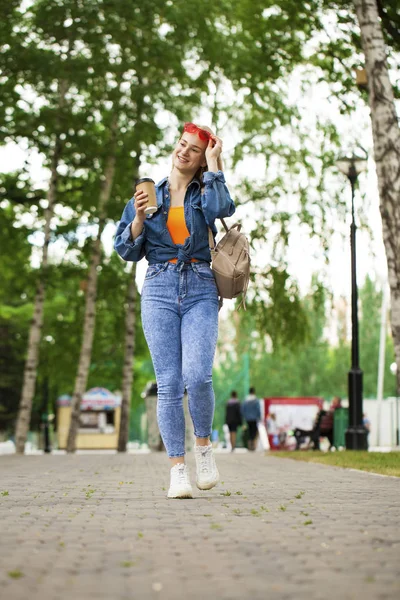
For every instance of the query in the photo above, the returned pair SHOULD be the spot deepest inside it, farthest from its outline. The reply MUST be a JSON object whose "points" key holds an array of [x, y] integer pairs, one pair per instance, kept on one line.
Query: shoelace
{"points": [[182, 477], [204, 462]]}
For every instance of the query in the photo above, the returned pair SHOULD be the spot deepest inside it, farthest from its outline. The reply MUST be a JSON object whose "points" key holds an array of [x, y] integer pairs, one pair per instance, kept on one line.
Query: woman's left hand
{"points": [[213, 149]]}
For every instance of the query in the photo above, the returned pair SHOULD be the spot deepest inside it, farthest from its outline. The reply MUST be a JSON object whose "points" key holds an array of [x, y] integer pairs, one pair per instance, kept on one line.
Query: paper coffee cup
{"points": [[147, 185]]}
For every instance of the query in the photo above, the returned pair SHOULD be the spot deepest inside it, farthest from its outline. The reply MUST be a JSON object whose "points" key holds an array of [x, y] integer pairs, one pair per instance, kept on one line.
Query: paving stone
{"points": [[100, 526]]}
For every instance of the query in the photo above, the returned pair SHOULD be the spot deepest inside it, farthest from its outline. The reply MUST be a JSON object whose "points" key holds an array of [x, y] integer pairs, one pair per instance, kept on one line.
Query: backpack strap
{"points": [[211, 242], [243, 301], [224, 224]]}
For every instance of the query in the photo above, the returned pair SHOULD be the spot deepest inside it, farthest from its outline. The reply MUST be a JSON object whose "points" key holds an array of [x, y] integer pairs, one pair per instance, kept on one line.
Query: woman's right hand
{"points": [[140, 204]]}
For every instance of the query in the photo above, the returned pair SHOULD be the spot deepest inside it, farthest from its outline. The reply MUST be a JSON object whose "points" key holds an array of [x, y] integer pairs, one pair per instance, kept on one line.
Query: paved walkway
{"points": [[100, 527]]}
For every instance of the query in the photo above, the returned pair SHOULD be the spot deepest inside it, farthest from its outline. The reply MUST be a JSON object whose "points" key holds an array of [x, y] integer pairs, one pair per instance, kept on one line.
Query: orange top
{"points": [[176, 226]]}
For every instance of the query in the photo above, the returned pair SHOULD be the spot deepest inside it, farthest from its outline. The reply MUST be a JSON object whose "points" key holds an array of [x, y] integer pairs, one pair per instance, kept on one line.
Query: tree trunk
{"points": [[386, 136], [35, 331], [130, 323], [91, 295], [127, 377]]}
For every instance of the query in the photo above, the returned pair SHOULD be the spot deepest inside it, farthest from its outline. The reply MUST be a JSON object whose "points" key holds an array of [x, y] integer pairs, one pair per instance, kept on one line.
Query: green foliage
{"points": [[16, 273], [315, 366], [371, 300], [63, 318], [16, 293], [280, 314]]}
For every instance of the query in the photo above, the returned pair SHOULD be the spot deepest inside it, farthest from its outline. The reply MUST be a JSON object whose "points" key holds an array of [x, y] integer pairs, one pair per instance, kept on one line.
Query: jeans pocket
{"points": [[154, 270], [203, 271]]}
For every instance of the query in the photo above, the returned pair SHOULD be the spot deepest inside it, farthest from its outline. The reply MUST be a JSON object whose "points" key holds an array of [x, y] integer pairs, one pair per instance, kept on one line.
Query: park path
{"points": [[100, 527]]}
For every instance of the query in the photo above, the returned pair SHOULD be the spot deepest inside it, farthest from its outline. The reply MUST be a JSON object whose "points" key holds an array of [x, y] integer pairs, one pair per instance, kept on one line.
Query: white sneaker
{"points": [[207, 472], [180, 484]]}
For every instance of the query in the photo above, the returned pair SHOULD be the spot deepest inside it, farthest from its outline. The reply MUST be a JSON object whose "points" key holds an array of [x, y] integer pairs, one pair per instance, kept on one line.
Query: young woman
{"points": [[179, 297]]}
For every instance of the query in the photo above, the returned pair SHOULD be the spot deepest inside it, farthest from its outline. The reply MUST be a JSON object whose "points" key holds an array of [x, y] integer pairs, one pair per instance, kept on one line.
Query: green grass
{"points": [[384, 463], [17, 574], [128, 563]]}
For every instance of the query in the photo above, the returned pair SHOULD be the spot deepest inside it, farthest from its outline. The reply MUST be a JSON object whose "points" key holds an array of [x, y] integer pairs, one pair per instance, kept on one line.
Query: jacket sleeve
{"points": [[216, 201], [129, 249]]}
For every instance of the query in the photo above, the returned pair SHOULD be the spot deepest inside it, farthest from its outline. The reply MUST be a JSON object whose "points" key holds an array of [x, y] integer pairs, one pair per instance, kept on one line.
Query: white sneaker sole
{"points": [[207, 485], [180, 494]]}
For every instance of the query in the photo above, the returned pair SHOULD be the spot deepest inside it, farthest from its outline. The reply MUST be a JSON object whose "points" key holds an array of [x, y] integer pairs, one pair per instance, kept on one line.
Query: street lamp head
{"points": [[352, 166]]}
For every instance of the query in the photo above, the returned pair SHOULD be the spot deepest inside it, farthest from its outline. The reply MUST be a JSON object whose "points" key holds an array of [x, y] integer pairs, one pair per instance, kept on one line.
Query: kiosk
{"points": [[99, 420]]}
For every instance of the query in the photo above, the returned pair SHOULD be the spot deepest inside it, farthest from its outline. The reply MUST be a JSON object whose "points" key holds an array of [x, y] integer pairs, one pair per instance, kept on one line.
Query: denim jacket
{"points": [[200, 210]]}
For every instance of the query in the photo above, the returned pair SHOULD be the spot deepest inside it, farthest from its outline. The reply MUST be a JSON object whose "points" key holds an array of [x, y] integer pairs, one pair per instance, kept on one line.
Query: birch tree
{"points": [[386, 136], [91, 290], [38, 73], [130, 330], [30, 370], [37, 66], [129, 352]]}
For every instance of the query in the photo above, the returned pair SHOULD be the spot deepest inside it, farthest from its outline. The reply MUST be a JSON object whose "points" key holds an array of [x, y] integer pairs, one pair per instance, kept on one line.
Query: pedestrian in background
{"points": [[251, 413], [273, 429], [336, 403], [233, 417], [367, 425]]}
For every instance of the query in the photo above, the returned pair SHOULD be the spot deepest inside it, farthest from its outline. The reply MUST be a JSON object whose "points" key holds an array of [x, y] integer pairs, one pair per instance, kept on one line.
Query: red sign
{"points": [[282, 415]]}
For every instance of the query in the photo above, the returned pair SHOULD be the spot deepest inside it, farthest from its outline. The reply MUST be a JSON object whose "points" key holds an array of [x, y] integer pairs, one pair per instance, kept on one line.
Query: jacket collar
{"points": [[164, 181], [160, 191]]}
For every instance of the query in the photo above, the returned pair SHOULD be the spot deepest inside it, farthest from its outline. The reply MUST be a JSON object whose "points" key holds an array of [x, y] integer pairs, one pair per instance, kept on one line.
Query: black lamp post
{"points": [[356, 434]]}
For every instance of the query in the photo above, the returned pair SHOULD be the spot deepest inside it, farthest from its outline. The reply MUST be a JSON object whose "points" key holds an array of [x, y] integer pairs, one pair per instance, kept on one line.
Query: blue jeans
{"points": [[180, 322]]}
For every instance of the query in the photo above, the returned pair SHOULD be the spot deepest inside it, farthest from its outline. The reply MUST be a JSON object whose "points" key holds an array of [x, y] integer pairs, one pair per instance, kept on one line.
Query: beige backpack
{"points": [[231, 262]]}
